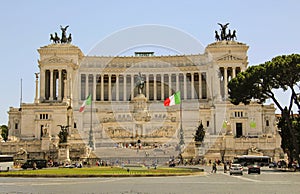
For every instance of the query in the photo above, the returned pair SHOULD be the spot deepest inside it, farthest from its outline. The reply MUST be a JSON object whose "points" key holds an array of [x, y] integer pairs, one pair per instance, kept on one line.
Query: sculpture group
{"points": [[64, 39], [63, 134], [140, 83], [224, 35]]}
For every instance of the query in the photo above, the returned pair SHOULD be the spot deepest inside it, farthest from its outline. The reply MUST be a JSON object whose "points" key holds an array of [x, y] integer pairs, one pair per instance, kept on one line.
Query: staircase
{"points": [[211, 147], [133, 155]]}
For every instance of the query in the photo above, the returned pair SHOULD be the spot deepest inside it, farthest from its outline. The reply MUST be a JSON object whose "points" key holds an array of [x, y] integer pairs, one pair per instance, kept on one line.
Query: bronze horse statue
{"points": [[233, 35], [54, 38], [69, 40], [63, 39], [217, 37], [230, 36]]}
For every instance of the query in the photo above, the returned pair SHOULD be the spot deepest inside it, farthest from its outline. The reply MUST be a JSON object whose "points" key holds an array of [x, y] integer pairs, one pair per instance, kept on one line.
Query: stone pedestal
{"points": [[140, 108], [140, 114], [1, 138], [278, 154], [199, 151], [229, 147], [189, 150], [45, 145], [63, 152]]}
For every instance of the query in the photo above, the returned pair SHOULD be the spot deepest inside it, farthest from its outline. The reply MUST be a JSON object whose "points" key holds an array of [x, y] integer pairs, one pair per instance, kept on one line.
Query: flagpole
{"points": [[180, 115], [181, 137], [91, 138], [21, 94]]}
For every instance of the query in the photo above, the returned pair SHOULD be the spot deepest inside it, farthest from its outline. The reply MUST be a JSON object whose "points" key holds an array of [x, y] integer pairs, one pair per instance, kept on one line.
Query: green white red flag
{"points": [[173, 100], [88, 101]]}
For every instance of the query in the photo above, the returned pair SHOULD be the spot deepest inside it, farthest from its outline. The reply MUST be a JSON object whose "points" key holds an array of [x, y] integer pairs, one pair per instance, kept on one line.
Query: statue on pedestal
{"points": [[1, 138], [140, 83], [224, 35], [254, 151], [63, 134], [228, 128], [64, 39], [223, 30], [45, 130]]}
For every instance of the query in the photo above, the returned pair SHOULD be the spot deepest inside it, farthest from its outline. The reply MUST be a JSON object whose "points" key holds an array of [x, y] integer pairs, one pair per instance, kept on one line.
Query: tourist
{"points": [[34, 166], [214, 168], [225, 167]]}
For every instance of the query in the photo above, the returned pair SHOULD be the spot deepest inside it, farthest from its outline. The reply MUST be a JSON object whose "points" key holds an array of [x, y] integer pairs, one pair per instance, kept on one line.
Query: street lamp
{"points": [[91, 139], [181, 139]]}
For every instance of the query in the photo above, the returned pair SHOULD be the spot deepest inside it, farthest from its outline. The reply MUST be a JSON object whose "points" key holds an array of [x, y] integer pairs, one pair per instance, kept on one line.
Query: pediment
{"points": [[229, 57], [56, 59]]}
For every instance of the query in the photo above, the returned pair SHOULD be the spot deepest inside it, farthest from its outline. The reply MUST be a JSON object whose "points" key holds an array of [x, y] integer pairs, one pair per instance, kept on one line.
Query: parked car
{"points": [[254, 169], [70, 166], [35, 163], [236, 169], [273, 165]]}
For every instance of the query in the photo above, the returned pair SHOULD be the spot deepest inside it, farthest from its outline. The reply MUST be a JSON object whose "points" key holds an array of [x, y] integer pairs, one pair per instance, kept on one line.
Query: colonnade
{"points": [[53, 84], [226, 74], [122, 87]]}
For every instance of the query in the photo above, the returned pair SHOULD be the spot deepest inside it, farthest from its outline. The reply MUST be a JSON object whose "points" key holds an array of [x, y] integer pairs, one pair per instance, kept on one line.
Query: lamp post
{"points": [[91, 136], [91, 139], [181, 135]]}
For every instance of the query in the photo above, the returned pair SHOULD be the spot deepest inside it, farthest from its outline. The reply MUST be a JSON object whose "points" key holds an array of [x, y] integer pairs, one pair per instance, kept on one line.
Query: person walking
{"points": [[214, 167], [225, 167]]}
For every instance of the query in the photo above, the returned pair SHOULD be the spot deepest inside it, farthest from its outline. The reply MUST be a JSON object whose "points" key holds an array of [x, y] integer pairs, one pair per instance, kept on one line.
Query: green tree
{"points": [[260, 83], [4, 132], [200, 133], [285, 133]]}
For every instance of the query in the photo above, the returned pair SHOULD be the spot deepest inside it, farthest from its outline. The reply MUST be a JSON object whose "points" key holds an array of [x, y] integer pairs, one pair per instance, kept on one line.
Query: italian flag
{"points": [[88, 101], [172, 100]]}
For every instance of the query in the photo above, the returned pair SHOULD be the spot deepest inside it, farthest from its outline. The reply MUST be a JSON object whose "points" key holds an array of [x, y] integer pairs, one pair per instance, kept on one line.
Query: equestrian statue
{"points": [[224, 35], [64, 39]]}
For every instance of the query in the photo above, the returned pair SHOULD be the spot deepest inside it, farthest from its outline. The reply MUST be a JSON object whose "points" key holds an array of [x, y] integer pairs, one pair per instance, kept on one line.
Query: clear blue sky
{"points": [[270, 28]]}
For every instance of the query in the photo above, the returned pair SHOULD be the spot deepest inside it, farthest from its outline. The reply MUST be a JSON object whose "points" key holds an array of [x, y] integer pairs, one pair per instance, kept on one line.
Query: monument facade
{"points": [[127, 109]]}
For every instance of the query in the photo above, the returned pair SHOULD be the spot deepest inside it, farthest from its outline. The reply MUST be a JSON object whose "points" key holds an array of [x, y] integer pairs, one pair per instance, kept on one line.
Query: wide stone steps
{"points": [[146, 161], [114, 155]]}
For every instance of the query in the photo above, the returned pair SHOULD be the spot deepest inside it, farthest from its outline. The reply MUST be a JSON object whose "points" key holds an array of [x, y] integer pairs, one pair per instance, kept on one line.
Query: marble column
{"points": [[51, 84], [132, 86], [225, 82], [233, 72], [162, 93], [200, 85], [124, 88], [65, 90], [117, 88], [86, 86], [79, 88], [177, 82], [42, 85], [154, 89], [94, 86], [109, 87], [69, 84], [102, 88], [36, 99], [147, 86], [192, 86], [170, 84], [214, 83], [184, 86], [59, 87]]}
